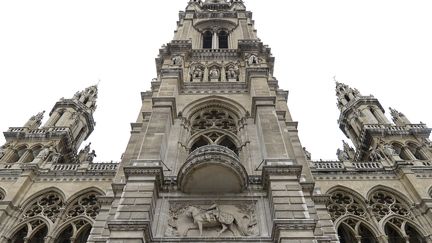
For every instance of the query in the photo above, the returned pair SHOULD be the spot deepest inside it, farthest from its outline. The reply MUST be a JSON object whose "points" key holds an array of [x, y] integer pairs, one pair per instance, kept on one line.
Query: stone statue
{"points": [[44, 153], [55, 158], [214, 217], [177, 61], [232, 72], [253, 60], [197, 73], [307, 154], [84, 153], [375, 155], [342, 155], [214, 73], [91, 156]]}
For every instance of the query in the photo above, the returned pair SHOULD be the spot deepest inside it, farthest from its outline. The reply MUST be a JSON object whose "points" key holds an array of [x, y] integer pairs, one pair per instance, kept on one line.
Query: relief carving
{"points": [[212, 221]]}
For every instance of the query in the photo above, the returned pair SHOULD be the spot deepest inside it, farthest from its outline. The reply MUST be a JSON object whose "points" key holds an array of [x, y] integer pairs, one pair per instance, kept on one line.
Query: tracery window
{"points": [[47, 205], [351, 228], [214, 126], [213, 118], [384, 203], [85, 206], [78, 218]]}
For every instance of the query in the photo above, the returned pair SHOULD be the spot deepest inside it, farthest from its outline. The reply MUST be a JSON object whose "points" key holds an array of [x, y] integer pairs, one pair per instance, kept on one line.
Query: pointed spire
{"points": [[35, 121], [345, 94], [398, 117], [87, 97]]}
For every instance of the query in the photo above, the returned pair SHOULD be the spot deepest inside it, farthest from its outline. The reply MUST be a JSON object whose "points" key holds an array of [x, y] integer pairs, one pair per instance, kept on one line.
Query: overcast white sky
{"points": [[51, 48]]}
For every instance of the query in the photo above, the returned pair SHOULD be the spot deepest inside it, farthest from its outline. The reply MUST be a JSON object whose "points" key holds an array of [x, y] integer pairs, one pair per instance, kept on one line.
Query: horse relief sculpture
{"points": [[212, 221]]}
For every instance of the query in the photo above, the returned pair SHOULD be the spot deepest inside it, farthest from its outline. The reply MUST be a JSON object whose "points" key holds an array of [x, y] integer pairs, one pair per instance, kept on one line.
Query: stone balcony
{"points": [[212, 169]]}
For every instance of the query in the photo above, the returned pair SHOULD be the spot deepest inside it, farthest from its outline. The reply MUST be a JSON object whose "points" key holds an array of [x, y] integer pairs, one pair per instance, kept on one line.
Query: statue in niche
{"points": [[375, 155], [232, 73], [44, 153], [253, 60], [239, 220], [177, 61], [197, 73], [214, 73]]}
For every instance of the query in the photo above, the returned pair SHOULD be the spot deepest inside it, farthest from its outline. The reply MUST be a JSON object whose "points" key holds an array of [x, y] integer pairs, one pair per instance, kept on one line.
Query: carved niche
{"points": [[212, 220]]}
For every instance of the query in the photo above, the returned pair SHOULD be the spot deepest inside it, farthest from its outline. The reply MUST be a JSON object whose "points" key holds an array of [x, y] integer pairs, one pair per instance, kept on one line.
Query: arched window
{"points": [[351, 228], [38, 232], [207, 40], [416, 151], [77, 232], [223, 40]]}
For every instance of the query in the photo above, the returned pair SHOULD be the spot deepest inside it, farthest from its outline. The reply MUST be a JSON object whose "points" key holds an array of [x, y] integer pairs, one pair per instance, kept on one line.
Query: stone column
{"points": [[223, 74], [25, 156], [215, 43], [55, 116], [63, 119]]}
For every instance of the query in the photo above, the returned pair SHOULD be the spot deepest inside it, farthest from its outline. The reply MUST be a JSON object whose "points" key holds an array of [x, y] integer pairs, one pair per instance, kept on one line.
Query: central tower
{"points": [[214, 154]]}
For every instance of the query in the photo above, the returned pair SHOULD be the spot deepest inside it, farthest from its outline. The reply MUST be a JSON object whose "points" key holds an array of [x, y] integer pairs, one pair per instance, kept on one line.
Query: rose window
{"points": [[85, 205], [48, 205], [384, 203], [342, 203]]}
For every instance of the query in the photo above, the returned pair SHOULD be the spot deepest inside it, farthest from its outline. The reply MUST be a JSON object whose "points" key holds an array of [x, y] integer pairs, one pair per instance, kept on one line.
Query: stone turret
{"points": [[357, 111], [70, 122]]}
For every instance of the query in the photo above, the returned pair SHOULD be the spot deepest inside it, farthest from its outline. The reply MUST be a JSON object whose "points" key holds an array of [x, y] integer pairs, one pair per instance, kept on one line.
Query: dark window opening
{"points": [[65, 235], [83, 235], [345, 235], [201, 142], [39, 236], [223, 40], [226, 142], [393, 235], [19, 236], [207, 40]]}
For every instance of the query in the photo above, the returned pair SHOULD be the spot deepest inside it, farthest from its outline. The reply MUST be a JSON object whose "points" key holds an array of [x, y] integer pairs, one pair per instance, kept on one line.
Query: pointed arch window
{"points": [[207, 40], [223, 39]]}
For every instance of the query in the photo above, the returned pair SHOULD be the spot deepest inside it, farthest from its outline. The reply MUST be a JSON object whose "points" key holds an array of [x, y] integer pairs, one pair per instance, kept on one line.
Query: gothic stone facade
{"points": [[215, 156]]}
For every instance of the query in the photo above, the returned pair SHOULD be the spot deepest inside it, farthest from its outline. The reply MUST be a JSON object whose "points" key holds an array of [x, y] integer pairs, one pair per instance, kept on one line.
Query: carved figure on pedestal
{"points": [[375, 155], [232, 73], [177, 61], [214, 73], [91, 156], [44, 153], [197, 74], [253, 60], [342, 155], [84, 153]]}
